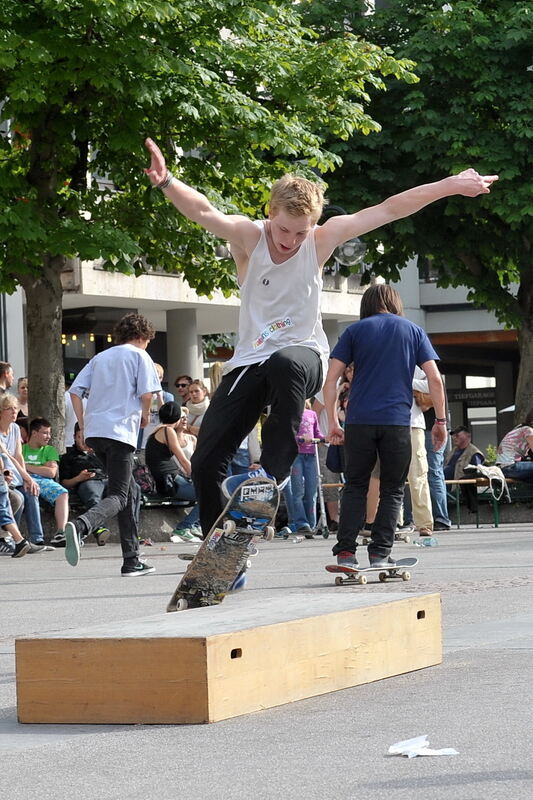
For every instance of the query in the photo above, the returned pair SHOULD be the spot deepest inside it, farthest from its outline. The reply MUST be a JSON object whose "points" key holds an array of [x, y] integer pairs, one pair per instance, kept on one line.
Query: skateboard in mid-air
{"points": [[224, 553], [358, 574]]}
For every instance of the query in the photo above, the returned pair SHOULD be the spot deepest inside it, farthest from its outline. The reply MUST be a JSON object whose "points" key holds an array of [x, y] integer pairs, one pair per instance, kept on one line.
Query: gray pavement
{"points": [[479, 701]]}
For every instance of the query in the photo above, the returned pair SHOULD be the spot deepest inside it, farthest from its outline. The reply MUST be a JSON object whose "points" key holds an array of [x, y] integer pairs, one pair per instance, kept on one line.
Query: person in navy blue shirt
{"points": [[384, 348]]}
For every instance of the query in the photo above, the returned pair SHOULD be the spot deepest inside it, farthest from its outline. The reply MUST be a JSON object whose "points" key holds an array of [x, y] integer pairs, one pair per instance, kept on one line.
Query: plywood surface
{"points": [[235, 614]]}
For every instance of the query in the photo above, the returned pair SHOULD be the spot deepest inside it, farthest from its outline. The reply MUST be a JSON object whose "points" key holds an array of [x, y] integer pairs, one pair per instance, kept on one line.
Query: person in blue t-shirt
{"points": [[120, 382], [384, 348]]}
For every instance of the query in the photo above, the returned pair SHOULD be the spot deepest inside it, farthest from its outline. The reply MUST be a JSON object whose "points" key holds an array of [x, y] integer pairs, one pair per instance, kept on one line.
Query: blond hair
{"points": [[298, 197], [8, 401]]}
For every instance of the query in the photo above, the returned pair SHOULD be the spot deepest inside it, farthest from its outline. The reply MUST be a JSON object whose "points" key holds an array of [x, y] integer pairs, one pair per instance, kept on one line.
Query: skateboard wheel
{"points": [[407, 539], [362, 580], [325, 534], [229, 526], [383, 577], [339, 580], [182, 604], [269, 533], [406, 576]]}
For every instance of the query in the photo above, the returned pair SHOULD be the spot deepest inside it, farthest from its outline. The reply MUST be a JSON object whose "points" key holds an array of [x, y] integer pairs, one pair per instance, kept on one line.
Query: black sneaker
{"points": [[7, 548], [101, 535], [58, 540], [380, 561], [441, 526], [138, 568], [21, 549]]}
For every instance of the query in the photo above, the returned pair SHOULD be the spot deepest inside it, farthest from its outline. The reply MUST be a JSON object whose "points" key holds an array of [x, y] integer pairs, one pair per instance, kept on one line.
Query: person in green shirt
{"points": [[42, 462]]}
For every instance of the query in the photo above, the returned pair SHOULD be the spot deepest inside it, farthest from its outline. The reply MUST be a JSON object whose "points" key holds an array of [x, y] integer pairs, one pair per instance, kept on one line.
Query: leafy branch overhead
{"points": [[235, 93], [471, 108]]}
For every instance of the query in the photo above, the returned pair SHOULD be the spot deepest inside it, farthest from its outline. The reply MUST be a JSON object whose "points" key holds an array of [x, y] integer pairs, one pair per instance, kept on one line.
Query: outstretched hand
{"points": [[472, 183], [158, 169]]}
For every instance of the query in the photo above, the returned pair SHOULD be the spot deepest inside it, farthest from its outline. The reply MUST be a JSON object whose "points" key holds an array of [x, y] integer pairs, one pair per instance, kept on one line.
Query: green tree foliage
{"points": [[241, 87], [234, 91], [472, 107]]}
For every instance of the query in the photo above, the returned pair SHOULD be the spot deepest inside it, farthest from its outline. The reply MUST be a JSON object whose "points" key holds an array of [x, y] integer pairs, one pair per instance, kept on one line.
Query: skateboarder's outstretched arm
{"points": [[337, 230], [238, 230]]}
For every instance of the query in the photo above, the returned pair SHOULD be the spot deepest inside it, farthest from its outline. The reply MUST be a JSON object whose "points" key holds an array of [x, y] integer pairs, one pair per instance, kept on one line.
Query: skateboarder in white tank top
{"points": [[280, 359]]}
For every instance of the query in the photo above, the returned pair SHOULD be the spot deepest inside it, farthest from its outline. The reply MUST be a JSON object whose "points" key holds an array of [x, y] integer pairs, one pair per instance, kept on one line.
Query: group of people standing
{"points": [[281, 360]]}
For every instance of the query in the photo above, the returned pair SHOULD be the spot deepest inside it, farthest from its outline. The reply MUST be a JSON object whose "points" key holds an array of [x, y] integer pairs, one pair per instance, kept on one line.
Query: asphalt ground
{"points": [[479, 701]]}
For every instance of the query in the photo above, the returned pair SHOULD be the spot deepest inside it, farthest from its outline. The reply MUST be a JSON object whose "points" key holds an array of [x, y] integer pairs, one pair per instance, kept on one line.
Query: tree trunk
{"points": [[524, 386], [44, 314]]}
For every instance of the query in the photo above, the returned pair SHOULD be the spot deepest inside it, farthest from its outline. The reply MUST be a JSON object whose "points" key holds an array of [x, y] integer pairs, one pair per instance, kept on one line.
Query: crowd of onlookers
{"points": [[33, 472]]}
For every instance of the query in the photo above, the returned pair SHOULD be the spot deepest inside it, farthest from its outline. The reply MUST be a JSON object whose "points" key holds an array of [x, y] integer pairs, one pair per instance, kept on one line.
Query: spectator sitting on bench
{"points": [[515, 449], [42, 463], [84, 475], [464, 454], [168, 457]]}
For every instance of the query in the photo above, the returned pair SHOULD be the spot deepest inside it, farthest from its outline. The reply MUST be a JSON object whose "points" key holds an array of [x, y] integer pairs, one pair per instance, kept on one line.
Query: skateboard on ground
{"points": [[399, 536], [224, 553], [358, 574]]}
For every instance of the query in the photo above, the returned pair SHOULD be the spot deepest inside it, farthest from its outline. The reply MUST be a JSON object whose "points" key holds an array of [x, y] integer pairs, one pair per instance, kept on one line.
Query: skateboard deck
{"points": [[224, 553], [358, 574]]}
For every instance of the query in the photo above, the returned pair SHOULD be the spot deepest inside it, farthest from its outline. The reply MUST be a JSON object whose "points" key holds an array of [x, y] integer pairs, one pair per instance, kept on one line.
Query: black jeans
{"points": [[362, 443], [283, 382], [123, 495]]}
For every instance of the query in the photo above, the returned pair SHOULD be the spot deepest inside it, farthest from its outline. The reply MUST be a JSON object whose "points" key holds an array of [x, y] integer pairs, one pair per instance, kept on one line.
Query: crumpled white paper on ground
{"points": [[419, 746]]}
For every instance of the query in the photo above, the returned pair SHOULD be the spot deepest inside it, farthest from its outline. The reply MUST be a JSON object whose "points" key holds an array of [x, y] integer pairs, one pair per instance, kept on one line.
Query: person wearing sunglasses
{"points": [[182, 384]]}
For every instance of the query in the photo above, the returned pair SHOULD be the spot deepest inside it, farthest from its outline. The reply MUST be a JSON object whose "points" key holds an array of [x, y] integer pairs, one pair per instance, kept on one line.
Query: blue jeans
{"points": [[32, 515], [519, 471], [184, 490], [91, 492], [304, 482], [362, 445], [240, 463], [437, 487], [293, 520]]}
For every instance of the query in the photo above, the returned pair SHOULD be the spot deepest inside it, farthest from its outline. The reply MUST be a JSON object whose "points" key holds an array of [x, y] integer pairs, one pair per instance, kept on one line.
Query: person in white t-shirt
{"points": [[282, 352], [119, 382]]}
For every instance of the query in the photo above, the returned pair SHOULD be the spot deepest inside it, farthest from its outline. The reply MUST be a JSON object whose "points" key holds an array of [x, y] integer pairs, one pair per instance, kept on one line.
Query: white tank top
{"points": [[280, 305]]}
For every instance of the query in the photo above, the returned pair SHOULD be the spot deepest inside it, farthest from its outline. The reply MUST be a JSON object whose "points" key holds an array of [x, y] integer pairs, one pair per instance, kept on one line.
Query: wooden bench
{"points": [[518, 490]]}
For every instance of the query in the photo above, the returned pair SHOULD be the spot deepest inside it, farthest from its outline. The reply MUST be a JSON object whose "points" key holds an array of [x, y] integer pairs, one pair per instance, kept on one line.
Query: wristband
{"points": [[440, 421], [167, 180]]}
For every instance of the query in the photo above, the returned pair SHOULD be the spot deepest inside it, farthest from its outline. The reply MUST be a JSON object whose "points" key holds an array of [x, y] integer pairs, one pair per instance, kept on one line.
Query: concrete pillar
{"points": [[331, 329], [505, 396], [14, 346], [184, 355], [457, 409]]}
